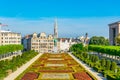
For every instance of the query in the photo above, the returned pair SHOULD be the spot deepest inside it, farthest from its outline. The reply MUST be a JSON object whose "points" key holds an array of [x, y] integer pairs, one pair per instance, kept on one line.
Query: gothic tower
{"points": [[55, 29]]}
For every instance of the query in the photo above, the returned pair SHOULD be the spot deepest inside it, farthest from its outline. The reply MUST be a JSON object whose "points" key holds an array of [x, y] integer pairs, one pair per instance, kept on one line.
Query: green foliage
{"points": [[93, 58], [108, 64], [98, 41], [84, 54], [10, 48], [111, 77], [113, 66], [77, 48], [117, 39], [111, 50], [15, 62], [108, 69], [103, 66], [90, 57], [98, 69], [103, 62], [96, 59]]}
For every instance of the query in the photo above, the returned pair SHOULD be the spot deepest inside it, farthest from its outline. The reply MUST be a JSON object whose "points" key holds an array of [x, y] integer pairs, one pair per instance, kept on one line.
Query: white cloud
{"points": [[67, 27]]}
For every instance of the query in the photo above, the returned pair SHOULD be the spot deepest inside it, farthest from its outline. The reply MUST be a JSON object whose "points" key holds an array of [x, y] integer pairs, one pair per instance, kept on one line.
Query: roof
{"points": [[118, 22], [3, 31]]}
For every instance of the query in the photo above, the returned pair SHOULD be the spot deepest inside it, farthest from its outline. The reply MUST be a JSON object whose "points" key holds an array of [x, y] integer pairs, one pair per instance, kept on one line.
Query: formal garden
{"points": [[59, 66], [52, 66], [108, 67], [8, 66]]}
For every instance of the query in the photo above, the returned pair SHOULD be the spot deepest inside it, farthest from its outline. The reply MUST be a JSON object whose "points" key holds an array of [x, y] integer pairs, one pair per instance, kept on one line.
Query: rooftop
{"points": [[118, 22]]}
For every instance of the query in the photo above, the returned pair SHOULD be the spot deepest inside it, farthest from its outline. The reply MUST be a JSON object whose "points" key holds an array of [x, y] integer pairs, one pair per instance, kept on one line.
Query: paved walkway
{"points": [[96, 74], [22, 68]]}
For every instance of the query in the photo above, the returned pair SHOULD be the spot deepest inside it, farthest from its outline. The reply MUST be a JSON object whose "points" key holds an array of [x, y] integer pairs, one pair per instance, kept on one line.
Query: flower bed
{"points": [[55, 59], [82, 76], [37, 65], [70, 65], [55, 76], [62, 61], [30, 76], [56, 67]]}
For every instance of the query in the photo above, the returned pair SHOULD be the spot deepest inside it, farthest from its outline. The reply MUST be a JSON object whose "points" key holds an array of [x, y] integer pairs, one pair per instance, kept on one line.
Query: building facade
{"points": [[66, 43], [8, 37], [40, 43], [55, 29], [114, 30]]}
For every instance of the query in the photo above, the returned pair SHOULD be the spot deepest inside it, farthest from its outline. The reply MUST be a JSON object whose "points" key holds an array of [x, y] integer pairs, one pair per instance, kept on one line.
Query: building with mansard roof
{"points": [[40, 42]]}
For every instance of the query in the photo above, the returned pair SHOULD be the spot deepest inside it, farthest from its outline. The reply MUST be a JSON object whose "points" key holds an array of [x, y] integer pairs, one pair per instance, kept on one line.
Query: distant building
{"points": [[8, 37], [55, 29], [114, 30], [25, 41], [52, 43], [86, 39], [55, 37], [40, 42], [82, 39], [66, 43]]}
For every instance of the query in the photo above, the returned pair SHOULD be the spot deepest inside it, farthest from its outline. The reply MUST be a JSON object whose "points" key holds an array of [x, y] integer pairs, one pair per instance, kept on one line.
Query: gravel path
{"points": [[13, 75], [96, 74]]}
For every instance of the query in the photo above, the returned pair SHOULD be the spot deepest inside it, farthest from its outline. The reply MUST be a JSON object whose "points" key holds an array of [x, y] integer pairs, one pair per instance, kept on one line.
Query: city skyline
{"points": [[75, 18]]}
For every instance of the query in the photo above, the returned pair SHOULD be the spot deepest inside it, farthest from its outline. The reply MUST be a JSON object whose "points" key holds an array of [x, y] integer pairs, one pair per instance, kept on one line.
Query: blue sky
{"points": [[75, 17]]}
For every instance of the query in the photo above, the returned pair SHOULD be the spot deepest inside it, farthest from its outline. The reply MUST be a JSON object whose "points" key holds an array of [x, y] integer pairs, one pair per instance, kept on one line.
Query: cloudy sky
{"points": [[75, 17]]}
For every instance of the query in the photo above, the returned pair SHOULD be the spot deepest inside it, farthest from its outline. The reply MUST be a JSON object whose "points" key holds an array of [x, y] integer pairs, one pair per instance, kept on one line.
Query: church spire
{"points": [[55, 29]]}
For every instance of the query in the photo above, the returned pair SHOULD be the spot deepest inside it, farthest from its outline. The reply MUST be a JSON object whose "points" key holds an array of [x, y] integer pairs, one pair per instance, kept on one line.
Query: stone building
{"points": [[114, 30], [8, 37], [41, 43], [66, 43]]}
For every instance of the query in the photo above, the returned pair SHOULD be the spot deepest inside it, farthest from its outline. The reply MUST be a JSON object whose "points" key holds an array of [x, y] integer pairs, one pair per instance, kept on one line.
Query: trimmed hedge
{"points": [[111, 50], [10, 48]]}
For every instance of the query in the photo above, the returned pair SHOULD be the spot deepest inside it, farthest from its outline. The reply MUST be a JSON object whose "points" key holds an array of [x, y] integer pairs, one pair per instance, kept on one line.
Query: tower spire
{"points": [[55, 29]]}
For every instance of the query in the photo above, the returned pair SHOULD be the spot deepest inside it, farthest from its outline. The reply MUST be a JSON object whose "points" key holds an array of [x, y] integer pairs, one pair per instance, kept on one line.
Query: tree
{"points": [[113, 66], [99, 40], [103, 62], [96, 59], [76, 47], [85, 55], [117, 39], [108, 64]]}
